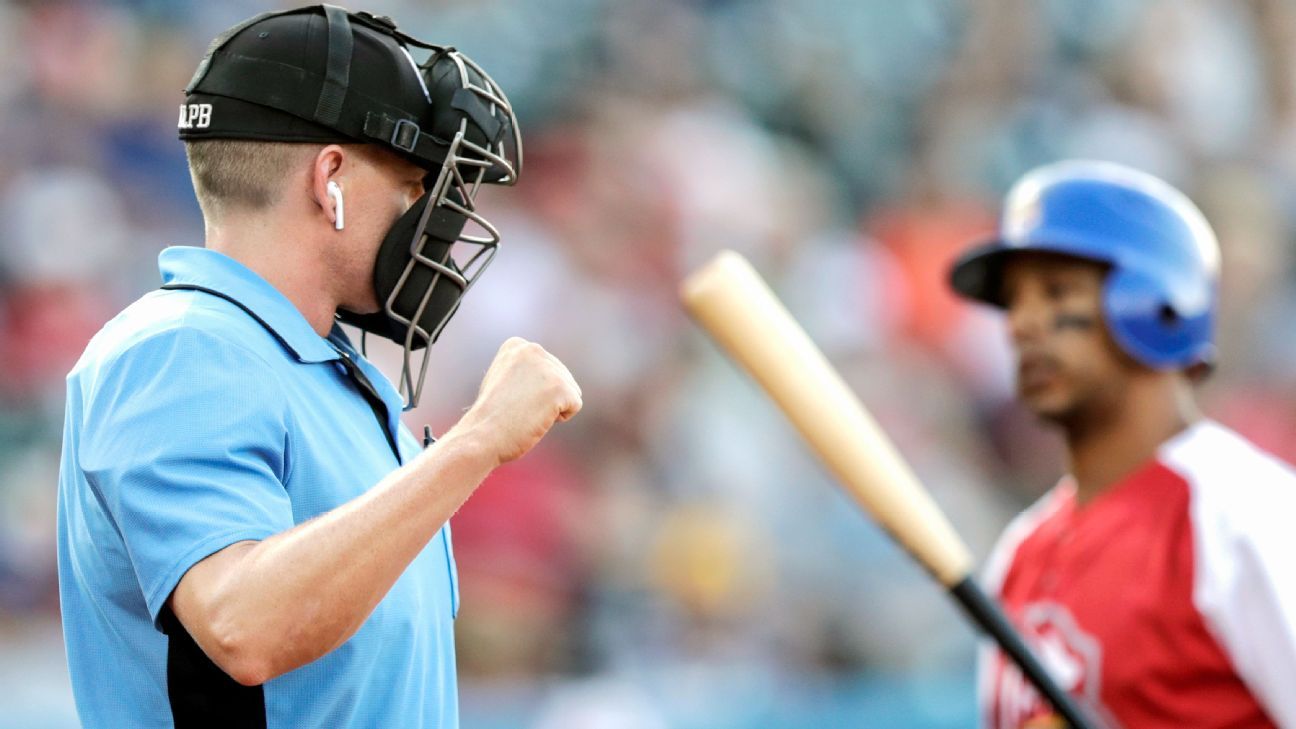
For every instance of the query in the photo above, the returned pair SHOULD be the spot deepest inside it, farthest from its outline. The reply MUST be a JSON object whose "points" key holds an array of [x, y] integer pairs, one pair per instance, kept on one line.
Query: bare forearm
{"points": [[298, 595]]}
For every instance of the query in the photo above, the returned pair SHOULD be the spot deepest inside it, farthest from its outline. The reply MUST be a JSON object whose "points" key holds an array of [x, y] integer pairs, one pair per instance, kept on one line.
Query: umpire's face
{"points": [[1069, 370], [378, 187]]}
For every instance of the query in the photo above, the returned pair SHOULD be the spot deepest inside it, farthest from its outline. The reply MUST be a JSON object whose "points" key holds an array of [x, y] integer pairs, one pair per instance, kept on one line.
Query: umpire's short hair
{"points": [[231, 175]]}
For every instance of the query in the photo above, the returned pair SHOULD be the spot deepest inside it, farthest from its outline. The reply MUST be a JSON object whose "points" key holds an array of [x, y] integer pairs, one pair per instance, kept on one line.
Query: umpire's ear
{"points": [[327, 168]]}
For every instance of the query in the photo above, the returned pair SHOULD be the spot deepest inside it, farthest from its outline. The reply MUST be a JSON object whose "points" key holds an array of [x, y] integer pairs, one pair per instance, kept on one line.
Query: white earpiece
{"points": [[335, 192]]}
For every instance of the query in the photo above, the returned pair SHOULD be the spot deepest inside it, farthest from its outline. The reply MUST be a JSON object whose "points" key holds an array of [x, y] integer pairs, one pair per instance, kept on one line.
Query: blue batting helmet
{"points": [[1161, 292]]}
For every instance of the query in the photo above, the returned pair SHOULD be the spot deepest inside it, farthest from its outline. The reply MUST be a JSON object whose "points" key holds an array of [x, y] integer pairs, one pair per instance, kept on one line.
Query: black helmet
{"points": [[323, 74]]}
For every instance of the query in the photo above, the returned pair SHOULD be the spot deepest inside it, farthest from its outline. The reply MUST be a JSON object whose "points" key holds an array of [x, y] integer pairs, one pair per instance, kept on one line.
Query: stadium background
{"points": [[672, 558]]}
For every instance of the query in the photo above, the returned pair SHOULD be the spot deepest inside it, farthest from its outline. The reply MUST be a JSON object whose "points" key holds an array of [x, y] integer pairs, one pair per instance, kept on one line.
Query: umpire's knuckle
{"points": [[559, 386]]}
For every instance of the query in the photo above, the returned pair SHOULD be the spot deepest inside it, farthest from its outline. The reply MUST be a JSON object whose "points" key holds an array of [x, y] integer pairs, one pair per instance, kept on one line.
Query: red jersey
{"points": [[1169, 600]]}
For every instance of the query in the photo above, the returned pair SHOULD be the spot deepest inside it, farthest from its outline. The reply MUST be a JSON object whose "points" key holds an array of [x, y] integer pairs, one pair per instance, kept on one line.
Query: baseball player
{"points": [[1154, 581], [247, 535]]}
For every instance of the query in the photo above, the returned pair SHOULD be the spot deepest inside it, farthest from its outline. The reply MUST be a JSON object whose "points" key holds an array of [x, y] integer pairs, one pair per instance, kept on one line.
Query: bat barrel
{"points": [[740, 312], [987, 615], [729, 299]]}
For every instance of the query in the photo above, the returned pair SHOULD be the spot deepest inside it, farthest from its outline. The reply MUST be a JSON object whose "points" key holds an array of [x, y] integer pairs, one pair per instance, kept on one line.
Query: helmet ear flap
{"points": [[1150, 325]]}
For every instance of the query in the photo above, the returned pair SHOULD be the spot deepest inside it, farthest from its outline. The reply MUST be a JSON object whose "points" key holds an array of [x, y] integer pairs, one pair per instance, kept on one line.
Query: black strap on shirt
{"points": [[362, 382], [371, 396]]}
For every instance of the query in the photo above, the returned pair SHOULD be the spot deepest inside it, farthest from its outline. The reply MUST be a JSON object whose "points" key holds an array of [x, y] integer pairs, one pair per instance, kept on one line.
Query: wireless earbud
{"points": [[335, 192]]}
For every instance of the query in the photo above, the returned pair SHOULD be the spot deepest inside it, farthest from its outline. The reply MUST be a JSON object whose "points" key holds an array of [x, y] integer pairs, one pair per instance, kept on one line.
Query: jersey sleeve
{"points": [[1244, 585], [185, 446]]}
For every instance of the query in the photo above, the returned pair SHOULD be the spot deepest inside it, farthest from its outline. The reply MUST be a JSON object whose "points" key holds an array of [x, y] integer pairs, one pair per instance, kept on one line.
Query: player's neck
{"points": [[277, 254], [1105, 451]]}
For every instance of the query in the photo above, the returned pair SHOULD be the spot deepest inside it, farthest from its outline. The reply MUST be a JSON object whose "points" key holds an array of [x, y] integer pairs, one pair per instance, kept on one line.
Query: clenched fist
{"points": [[525, 391]]}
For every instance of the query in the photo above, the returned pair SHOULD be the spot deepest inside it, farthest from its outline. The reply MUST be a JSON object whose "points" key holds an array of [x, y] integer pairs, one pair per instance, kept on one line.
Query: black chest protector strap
{"points": [[362, 383], [371, 396]]}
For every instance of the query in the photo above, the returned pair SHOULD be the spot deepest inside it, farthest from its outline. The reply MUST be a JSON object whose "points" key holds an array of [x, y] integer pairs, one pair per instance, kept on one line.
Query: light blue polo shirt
{"points": [[193, 423]]}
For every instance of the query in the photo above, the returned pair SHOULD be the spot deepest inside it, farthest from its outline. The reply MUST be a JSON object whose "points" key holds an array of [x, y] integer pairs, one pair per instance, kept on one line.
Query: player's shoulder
{"points": [[1022, 528], [1227, 473]]}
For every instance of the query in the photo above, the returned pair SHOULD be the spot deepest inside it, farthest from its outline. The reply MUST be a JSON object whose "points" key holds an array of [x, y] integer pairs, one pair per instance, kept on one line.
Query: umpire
{"points": [[248, 537]]}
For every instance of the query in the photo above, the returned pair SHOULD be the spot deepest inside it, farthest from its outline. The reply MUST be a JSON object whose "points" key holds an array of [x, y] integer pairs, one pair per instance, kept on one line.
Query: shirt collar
{"points": [[218, 272]]}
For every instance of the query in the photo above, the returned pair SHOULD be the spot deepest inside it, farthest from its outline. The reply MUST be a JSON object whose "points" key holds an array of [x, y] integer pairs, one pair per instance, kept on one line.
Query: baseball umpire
{"points": [[1154, 580], [248, 536]]}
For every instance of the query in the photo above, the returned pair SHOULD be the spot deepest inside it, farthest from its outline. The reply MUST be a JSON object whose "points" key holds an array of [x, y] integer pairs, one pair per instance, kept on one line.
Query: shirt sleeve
{"points": [[1244, 585], [185, 444]]}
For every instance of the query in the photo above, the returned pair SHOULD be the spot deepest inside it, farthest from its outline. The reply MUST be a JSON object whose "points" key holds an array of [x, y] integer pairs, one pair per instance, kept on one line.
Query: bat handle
{"points": [[991, 619]]}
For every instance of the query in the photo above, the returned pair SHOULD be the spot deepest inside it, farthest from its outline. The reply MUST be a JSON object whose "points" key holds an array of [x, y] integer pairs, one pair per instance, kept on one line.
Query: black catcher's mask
{"points": [[322, 74]]}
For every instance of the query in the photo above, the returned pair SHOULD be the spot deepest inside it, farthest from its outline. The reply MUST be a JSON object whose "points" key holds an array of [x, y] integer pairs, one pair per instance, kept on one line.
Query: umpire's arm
{"points": [[261, 608]]}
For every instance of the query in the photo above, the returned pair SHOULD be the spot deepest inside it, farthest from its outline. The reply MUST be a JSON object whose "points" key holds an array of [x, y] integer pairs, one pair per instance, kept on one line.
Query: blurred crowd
{"points": [[673, 557]]}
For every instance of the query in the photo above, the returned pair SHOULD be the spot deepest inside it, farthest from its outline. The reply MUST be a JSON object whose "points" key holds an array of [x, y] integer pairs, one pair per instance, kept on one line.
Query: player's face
{"points": [[1068, 367], [381, 187]]}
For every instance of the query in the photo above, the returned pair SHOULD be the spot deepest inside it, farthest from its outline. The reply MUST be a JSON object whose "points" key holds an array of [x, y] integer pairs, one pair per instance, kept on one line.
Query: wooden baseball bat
{"points": [[728, 298]]}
